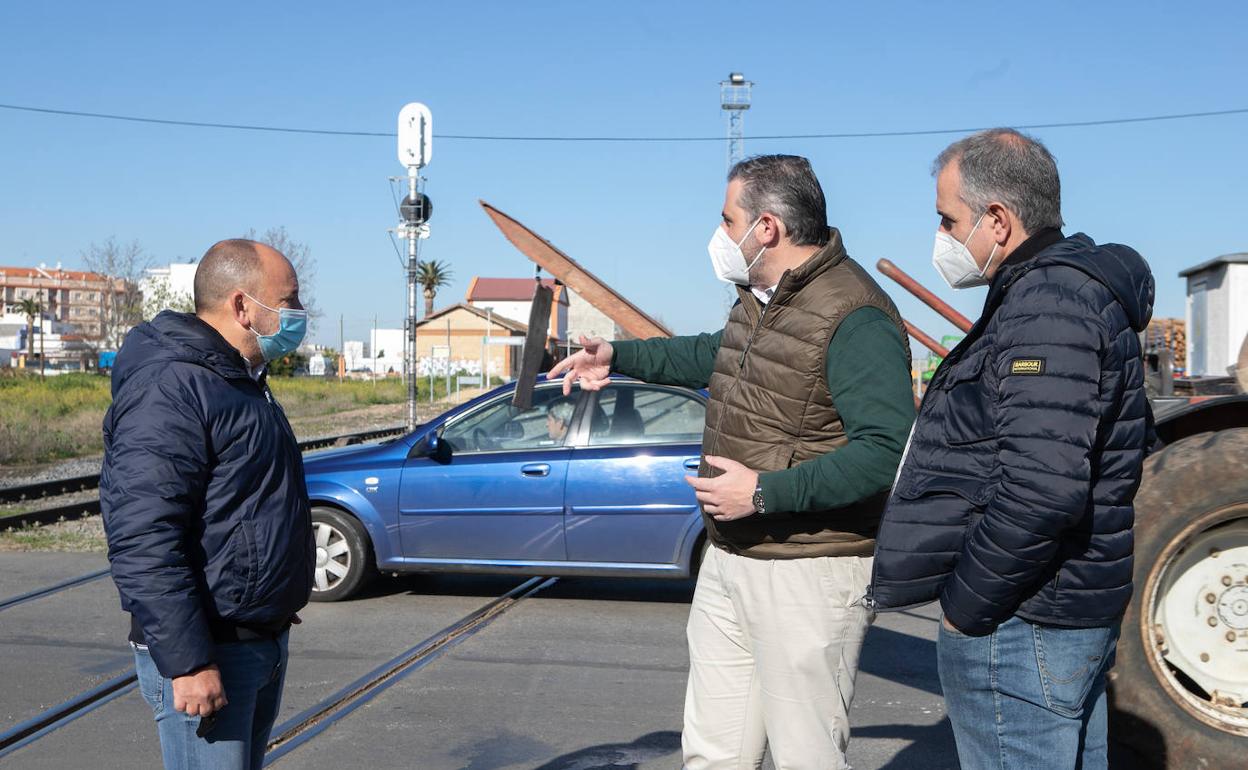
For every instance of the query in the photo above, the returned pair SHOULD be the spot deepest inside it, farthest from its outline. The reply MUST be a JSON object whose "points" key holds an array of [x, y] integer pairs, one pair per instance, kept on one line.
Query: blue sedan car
{"points": [[590, 484]]}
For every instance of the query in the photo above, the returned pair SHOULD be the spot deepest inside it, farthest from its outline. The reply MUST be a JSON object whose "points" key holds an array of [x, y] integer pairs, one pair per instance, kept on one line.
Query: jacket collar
{"points": [[793, 280]]}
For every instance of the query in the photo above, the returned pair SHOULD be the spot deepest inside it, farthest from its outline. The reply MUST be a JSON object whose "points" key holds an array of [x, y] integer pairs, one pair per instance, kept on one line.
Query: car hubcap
{"points": [[333, 556], [1197, 602]]}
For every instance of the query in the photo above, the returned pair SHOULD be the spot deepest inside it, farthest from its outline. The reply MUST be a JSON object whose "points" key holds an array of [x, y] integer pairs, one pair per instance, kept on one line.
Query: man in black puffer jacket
{"points": [[205, 507], [1013, 505]]}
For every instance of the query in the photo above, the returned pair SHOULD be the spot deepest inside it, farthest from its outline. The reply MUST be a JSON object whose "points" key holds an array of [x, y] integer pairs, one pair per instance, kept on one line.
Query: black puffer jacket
{"points": [[1016, 494], [203, 494]]}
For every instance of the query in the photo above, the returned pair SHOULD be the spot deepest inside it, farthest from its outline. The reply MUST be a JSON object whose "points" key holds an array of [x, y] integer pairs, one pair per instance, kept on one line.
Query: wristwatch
{"points": [[760, 506]]}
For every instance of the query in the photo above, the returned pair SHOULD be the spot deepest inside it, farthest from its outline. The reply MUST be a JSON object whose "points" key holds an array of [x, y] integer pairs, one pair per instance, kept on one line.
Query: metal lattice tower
{"points": [[734, 98]]}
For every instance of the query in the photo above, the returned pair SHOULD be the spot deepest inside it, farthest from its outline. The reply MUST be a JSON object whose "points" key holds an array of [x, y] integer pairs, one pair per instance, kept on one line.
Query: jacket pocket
{"points": [[922, 483], [1071, 662], [970, 409], [248, 561]]}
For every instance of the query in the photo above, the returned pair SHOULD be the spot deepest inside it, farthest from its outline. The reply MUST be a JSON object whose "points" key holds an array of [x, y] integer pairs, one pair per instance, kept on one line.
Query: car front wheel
{"points": [[344, 555]]}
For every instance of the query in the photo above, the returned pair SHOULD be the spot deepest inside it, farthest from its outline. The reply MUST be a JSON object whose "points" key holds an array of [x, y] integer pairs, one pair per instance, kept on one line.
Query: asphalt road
{"points": [[585, 674]]}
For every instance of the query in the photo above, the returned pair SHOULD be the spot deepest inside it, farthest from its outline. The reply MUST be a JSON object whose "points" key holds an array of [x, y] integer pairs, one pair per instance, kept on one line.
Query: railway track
{"points": [[82, 509], [305, 726], [39, 593]]}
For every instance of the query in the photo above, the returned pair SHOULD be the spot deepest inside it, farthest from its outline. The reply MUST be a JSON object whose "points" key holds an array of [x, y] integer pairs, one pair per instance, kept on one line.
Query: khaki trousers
{"points": [[773, 651]]}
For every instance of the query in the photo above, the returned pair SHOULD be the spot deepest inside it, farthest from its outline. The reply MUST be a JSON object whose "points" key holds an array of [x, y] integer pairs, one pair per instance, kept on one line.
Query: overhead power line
{"points": [[617, 139]]}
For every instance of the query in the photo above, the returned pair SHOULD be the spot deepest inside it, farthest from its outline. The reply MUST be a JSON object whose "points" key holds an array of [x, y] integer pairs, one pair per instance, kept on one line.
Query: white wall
{"points": [[1220, 331], [519, 312], [1237, 311], [177, 279], [584, 318], [515, 311]]}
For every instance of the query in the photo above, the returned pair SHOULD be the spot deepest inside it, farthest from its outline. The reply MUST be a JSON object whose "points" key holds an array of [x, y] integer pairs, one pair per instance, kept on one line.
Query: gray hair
{"points": [[228, 265], [1006, 166], [784, 186], [561, 410]]}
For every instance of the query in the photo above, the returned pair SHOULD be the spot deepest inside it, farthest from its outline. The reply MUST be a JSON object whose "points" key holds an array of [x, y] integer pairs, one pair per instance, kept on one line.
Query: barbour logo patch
{"points": [[1027, 366]]}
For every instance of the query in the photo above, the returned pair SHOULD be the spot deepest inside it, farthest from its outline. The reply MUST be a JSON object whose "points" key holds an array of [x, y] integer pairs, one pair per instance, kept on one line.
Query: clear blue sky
{"points": [[638, 215]]}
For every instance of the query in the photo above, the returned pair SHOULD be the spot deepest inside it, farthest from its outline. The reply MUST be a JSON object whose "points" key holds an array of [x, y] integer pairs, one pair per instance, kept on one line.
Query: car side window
{"points": [[501, 427], [631, 414]]}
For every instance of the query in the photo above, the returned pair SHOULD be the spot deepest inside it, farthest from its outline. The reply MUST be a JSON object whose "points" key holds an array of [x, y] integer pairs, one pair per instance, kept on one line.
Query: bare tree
{"points": [[304, 263], [161, 296], [123, 265]]}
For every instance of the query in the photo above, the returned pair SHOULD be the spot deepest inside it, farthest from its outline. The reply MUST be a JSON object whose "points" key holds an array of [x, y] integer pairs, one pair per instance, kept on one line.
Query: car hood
{"points": [[331, 459]]}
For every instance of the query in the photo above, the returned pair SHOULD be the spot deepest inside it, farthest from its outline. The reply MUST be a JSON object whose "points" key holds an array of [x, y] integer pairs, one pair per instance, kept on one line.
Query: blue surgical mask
{"points": [[292, 327]]}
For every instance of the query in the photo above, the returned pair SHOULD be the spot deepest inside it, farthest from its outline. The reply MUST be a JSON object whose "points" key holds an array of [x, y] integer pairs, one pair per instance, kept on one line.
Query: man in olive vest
{"points": [[810, 408]]}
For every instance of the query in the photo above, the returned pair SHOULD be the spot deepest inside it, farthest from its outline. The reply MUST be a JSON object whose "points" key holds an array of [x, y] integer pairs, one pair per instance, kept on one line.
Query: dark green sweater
{"points": [[868, 382]]}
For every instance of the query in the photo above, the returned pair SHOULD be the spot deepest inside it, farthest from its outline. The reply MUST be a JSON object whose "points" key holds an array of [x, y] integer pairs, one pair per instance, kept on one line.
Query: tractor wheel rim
{"points": [[1195, 619]]}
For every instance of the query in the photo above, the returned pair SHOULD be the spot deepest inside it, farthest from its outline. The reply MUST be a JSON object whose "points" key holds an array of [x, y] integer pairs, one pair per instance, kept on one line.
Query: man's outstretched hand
{"points": [[591, 367]]}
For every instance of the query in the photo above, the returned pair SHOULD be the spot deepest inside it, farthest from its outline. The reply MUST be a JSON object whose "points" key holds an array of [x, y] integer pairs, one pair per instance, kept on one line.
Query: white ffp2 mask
{"points": [[727, 259], [955, 263]]}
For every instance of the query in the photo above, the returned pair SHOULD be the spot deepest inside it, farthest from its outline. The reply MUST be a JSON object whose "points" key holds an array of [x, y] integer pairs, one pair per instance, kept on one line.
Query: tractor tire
{"points": [[1180, 686]]}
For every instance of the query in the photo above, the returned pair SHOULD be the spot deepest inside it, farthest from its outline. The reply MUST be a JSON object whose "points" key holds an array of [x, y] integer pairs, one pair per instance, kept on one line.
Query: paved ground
{"points": [[587, 674]]}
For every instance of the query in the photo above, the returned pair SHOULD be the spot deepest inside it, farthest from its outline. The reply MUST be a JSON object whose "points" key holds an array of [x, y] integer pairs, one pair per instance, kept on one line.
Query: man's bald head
{"points": [[228, 266], [241, 286]]}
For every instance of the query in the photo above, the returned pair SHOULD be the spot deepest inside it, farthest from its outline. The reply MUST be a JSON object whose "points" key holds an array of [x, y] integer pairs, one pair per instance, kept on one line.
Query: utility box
{"points": [[1217, 314]]}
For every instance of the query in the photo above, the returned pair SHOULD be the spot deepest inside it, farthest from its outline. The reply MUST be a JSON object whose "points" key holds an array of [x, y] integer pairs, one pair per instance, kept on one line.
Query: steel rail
{"points": [[36, 727], [13, 601], [65, 486], [313, 721], [71, 511]]}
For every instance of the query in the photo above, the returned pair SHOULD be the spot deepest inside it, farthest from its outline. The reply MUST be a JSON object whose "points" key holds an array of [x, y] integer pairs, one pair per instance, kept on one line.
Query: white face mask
{"points": [[727, 259], [954, 262]]}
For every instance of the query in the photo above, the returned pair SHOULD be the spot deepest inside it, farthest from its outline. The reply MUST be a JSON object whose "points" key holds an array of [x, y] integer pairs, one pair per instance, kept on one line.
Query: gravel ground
{"points": [[87, 535], [78, 536], [370, 418]]}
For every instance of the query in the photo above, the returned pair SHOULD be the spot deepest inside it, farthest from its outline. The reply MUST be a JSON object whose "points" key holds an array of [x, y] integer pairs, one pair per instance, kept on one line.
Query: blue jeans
{"points": [[1028, 696], [252, 673]]}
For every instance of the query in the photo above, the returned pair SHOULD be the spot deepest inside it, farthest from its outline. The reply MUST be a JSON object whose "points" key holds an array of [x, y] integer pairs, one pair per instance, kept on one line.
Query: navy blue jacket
{"points": [[1015, 496], [203, 494]]}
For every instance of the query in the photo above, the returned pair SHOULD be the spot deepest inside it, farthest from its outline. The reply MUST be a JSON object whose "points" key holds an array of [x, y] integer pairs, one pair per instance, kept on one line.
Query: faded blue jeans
{"points": [[253, 674], [1028, 696]]}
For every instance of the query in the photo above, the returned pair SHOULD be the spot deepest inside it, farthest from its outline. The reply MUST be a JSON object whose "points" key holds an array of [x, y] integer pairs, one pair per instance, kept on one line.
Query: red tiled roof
{"points": [[68, 275], [505, 289]]}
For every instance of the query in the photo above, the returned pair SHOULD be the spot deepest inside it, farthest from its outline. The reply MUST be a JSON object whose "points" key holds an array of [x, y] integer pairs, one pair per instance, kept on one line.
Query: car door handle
{"points": [[693, 463], [536, 470]]}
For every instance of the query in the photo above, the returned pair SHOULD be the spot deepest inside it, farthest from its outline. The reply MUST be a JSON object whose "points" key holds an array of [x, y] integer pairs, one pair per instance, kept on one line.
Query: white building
{"points": [[571, 315], [385, 351], [168, 287], [1217, 314], [353, 355], [512, 298], [59, 342]]}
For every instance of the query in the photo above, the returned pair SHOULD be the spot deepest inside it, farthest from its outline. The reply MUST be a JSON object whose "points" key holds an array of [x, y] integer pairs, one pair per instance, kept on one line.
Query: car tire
{"points": [[1191, 511], [345, 562]]}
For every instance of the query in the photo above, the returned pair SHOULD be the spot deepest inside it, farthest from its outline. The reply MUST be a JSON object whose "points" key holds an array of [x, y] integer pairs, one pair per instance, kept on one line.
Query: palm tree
{"points": [[31, 308], [433, 275]]}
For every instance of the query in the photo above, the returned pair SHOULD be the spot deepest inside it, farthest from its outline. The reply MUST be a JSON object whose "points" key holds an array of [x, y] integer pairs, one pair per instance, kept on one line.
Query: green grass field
{"points": [[60, 417]]}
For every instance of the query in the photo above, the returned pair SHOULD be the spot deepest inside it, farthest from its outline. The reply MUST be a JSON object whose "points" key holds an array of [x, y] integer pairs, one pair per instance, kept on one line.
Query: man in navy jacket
{"points": [[205, 508], [1013, 505]]}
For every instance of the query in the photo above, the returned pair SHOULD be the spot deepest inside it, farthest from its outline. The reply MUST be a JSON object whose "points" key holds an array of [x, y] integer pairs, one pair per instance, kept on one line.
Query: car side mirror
{"points": [[433, 447]]}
